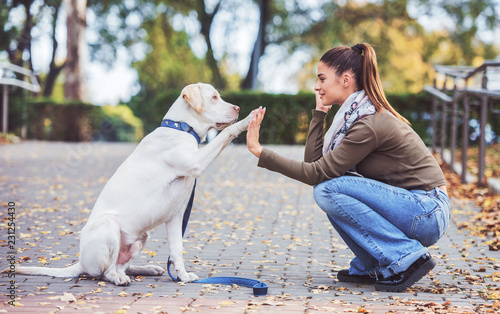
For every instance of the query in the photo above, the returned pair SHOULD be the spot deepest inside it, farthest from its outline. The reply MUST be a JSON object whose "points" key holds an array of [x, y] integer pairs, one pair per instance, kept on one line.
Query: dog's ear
{"points": [[193, 96]]}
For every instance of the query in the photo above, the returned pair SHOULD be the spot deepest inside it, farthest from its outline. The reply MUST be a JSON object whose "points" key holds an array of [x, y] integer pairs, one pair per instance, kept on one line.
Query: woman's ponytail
{"points": [[371, 82]]}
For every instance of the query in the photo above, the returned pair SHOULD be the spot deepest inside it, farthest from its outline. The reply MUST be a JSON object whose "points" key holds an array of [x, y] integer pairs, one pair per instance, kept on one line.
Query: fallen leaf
{"points": [[69, 297]]}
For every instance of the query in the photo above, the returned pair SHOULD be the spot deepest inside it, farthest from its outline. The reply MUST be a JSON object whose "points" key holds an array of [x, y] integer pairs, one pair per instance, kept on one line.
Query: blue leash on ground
{"points": [[259, 287]]}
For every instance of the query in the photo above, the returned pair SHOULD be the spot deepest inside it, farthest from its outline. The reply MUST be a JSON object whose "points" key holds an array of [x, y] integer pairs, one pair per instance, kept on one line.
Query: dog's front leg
{"points": [[174, 233], [208, 153]]}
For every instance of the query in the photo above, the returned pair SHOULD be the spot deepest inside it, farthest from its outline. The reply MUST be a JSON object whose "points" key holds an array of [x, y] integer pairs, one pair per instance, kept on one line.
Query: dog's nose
{"points": [[236, 108]]}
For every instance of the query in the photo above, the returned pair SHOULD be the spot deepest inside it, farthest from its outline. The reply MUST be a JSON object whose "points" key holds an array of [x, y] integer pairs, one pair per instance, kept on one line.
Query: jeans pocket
{"points": [[429, 228]]}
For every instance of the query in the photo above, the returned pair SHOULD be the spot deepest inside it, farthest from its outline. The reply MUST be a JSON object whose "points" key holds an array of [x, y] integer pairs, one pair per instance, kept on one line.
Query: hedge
{"points": [[75, 121], [287, 116]]}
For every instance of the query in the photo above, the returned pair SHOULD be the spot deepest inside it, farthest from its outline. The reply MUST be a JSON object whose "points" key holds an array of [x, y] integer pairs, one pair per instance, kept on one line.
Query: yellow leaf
{"points": [[45, 232], [122, 294]]}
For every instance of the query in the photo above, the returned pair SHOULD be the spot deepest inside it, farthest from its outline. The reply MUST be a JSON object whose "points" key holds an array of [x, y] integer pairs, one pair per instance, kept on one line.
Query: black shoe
{"points": [[344, 276], [403, 280]]}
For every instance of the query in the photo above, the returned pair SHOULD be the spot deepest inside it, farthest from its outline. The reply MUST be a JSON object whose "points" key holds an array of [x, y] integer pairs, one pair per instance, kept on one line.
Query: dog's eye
{"points": [[214, 97]]}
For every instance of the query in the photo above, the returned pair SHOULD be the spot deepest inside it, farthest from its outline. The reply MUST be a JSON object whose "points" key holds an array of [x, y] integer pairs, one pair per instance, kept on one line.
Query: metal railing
{"points": [[9, 76], [462, 98]]}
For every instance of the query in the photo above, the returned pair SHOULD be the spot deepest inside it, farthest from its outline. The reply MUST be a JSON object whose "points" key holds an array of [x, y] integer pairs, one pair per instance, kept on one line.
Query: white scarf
{"points": [[356, 106]]}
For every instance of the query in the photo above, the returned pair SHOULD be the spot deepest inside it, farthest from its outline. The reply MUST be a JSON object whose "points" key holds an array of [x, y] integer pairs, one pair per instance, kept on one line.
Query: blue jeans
{"points": [[387, 228]]}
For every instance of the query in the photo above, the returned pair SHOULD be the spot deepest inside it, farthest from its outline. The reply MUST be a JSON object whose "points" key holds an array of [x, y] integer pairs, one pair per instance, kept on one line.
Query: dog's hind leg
{"points": [[147, 270], [100, 248]]}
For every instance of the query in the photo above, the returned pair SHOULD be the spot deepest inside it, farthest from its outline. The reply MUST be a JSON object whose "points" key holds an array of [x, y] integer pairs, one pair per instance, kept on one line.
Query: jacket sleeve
{"points": [[359, 141], [314, 142]]}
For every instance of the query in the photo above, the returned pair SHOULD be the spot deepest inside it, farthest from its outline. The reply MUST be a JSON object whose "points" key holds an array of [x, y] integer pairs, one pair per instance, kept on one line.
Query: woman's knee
{"points": [[324, 195], [320, 194]]}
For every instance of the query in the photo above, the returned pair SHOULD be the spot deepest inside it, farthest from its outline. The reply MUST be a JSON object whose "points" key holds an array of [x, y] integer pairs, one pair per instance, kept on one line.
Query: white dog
{"points": [[151, 187]]}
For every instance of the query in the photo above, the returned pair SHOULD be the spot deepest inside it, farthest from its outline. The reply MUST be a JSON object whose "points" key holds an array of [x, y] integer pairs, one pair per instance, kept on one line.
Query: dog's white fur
{"points": [[151, 187]]}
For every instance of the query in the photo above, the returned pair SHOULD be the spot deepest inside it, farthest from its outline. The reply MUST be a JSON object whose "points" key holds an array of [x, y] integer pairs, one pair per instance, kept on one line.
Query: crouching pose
{"points": [[396, 205]]}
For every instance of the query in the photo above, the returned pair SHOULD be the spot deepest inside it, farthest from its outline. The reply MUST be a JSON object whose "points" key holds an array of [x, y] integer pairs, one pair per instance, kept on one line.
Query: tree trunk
{"points": [[54, 70], [23, 40], [74, 87], [250, 81], [206, 20]]}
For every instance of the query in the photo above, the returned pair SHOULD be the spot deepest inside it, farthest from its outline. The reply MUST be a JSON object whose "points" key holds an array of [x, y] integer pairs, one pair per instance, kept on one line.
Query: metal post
{"points": [[453, 143], [443, 122], [434, 120], [434, 124], [465, 139], [482, 138], [5, 109]]}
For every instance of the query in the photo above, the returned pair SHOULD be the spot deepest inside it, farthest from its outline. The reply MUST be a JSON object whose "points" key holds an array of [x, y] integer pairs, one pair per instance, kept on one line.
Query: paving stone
{"points": [[246, 222]]}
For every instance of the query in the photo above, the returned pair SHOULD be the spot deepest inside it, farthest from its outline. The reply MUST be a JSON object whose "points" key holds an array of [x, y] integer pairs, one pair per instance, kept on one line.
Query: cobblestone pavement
{"points": [[246, 222]]}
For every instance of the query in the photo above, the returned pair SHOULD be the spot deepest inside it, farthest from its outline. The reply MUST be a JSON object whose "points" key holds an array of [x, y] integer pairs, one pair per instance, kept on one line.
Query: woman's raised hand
{"points": [[319, 103], [253, 144]]}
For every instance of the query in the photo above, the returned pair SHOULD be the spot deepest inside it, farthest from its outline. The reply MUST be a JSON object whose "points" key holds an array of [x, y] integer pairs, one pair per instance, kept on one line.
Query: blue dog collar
{"points": [[181, 126]]}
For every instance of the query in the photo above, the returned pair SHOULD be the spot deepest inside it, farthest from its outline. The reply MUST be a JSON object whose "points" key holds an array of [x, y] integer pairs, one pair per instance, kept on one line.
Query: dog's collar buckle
{"points": [[181, 126]]}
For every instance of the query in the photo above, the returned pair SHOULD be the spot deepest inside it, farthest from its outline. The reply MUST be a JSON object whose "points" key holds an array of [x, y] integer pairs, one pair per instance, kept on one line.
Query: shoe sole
{"points": [[419, 274]]}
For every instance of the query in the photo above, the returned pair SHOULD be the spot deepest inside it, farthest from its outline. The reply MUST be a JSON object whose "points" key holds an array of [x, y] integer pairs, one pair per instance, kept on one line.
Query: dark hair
{"points": [[362, 61]]}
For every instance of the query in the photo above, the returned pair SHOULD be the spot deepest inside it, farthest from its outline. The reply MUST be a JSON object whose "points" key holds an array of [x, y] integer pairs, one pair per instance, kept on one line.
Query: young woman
{"points": [[379, 185]]}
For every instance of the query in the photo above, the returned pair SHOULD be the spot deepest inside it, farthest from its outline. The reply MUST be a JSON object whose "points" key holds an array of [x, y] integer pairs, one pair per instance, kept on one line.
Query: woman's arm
{"points": [[314, 142], [360, 141]]}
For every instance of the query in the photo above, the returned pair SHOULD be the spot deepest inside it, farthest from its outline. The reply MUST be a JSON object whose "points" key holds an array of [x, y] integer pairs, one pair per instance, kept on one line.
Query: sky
{"points": [[277, 74]]}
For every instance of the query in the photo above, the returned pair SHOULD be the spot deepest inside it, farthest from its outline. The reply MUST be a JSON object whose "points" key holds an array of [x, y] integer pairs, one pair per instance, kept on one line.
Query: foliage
{"points": [[405, 51], [492, 160], [486, 222], [7, 138], [170, 63], [121, 124], [287, 116], [469, 18], [76, 121]]}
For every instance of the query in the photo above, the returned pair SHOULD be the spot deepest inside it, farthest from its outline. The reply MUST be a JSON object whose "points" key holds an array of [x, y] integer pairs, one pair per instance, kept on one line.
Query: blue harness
{"points": [[259, 287]]}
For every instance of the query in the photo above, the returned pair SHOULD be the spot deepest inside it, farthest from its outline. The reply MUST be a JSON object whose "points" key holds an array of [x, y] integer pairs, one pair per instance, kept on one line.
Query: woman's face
{"points": [[331, 88]]}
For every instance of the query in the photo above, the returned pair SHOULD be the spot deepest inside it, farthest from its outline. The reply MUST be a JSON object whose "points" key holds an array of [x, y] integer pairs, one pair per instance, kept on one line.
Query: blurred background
{"points": [[110, 69]]}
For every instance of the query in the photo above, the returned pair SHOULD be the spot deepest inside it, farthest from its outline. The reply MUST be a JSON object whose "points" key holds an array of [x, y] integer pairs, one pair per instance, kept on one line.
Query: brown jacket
{"points": [[380, 146]]}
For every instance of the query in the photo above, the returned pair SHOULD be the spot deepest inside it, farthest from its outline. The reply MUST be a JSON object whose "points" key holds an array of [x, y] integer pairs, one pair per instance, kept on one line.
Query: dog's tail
{"points": [[72, 271]]}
